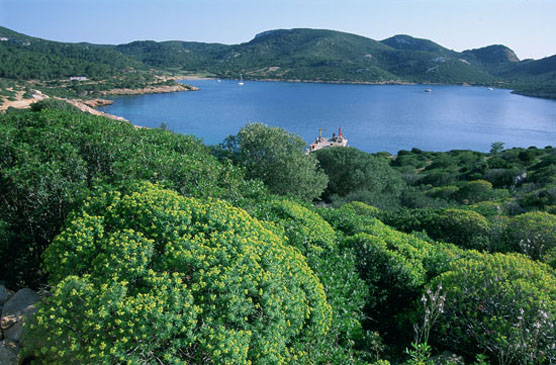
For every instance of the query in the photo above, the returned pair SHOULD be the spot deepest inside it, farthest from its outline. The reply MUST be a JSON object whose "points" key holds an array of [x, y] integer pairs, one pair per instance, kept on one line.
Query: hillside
{"points": [[284, 54], [534, 77], [24, 57], [407, 42]]}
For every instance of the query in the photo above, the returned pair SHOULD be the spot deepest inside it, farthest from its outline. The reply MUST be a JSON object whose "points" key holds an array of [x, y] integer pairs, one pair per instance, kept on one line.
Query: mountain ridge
{"points": [[285, 54]]}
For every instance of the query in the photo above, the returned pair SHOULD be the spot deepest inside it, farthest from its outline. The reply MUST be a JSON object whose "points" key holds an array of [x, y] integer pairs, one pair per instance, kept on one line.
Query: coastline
{"points": [[341, 82], [515, 91], [90, 105]]}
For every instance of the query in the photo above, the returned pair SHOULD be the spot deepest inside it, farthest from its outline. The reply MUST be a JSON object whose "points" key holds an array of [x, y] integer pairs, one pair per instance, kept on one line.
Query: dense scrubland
{"points": [[154, 248]]}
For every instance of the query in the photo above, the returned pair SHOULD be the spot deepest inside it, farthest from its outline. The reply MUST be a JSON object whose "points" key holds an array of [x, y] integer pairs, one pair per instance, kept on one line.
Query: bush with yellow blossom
{"points": [[145, 275]]}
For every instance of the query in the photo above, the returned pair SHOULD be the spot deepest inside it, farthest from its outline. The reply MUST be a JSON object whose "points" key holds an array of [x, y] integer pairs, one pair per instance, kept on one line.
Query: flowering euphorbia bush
{"points": [[504, 305], [149, 276], [533, 234], [302, 228]]}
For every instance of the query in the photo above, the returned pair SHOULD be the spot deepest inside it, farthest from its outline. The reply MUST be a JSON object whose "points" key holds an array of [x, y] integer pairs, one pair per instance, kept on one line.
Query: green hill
{"points": [[285, 54], [311, 55], [24, 57], [494, 59], [190, 55], [326, 55], [406, 42], [534, 77]]}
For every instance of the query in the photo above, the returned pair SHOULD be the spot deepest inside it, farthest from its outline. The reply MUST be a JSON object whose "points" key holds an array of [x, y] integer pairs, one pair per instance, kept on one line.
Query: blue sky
{"points": [[526, 26]]}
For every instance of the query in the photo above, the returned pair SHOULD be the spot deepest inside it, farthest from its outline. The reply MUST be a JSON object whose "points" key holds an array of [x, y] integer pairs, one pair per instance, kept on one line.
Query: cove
{"points": [[373, 117]]}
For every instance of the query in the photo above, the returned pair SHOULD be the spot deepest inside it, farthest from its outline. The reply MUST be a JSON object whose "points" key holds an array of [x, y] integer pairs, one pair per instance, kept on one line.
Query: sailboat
{"points": [[240, 83]]}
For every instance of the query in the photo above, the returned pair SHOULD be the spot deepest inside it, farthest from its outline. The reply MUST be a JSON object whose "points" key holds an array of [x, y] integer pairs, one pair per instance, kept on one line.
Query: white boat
{"points": [[428, 90], [240, 83], [490, 89]]}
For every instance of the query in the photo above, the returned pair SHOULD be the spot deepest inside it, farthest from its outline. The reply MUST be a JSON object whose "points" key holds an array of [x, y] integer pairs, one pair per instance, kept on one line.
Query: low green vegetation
{"points": [[197, 279], [51, 160], [154, 248]]}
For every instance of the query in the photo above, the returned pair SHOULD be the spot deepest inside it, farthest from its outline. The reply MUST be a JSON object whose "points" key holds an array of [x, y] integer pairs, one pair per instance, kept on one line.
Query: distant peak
{"points": [[407, 42], [271, 32], [402, 38], [494, 53]]}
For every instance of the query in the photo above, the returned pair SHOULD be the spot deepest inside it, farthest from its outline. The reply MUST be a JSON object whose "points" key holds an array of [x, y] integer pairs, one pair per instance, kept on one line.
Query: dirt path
{"points": [[20, 102]]}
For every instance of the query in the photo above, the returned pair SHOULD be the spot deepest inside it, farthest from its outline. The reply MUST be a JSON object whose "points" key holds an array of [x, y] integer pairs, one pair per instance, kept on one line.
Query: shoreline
{"points": [[343, 82], [389, 82], [90, 105]]}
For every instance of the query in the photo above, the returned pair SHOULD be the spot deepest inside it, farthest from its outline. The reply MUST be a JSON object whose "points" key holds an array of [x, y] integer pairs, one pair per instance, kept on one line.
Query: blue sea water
{"points": [[373, 117]]}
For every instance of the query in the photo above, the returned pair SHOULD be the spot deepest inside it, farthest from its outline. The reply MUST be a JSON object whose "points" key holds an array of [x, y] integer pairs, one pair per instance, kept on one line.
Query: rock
{"points": [[19, 305], [95, 103], [8, 353], [448, 358], [5, 294]]}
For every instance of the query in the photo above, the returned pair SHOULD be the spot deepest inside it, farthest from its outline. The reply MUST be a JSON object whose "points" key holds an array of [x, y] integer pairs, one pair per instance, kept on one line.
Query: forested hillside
{"points": [[150, 247], [295, 54]]}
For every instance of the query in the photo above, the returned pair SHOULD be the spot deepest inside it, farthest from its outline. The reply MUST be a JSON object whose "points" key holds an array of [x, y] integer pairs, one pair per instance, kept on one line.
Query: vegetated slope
{"points": [[421, 59], [534, 77], [407, 42], [191, 56], [312, 55], [495, 59], [286, 54], [526, 68], [24, 57]]}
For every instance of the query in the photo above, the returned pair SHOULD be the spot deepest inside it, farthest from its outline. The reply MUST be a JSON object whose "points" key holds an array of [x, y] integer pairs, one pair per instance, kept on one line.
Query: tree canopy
{"points": [[356, 175], [276, 157]]}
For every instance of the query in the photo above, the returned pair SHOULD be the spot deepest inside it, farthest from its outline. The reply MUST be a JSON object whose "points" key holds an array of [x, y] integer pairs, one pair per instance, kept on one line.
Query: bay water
{"points": [[373, 117]]}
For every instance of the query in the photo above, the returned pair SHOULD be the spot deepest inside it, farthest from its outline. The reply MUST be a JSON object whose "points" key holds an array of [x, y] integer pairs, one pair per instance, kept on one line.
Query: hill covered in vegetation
{"points": [[153, 248], [294, 54]]}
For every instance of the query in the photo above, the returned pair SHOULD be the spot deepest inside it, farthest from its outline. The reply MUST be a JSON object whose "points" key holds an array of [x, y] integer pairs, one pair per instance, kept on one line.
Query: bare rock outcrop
{"points": [[21, 304], [8, 353]]}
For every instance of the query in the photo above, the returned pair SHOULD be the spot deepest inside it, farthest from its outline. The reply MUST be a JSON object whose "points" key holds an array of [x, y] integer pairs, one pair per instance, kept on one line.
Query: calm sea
{"points": [[373, 117]]}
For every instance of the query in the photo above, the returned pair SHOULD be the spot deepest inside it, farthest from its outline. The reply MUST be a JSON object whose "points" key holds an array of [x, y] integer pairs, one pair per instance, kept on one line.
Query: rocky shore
{"points": [[90, 105], [151, 90], [86, 106]]}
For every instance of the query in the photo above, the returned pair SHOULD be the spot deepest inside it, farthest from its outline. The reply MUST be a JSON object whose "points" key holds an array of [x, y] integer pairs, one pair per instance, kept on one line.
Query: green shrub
{"points": [[302, 228], [336, 268], [50, 103], [51, 160], [408, 220], [357, 175], [346, 220], [533, 234], [475, 191], [149, 276], [395, 267], [393, 272], [362, 209], [277, 158], [443, 192], [466, 229], [540, 199], [504, 305], [487, 209]]}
